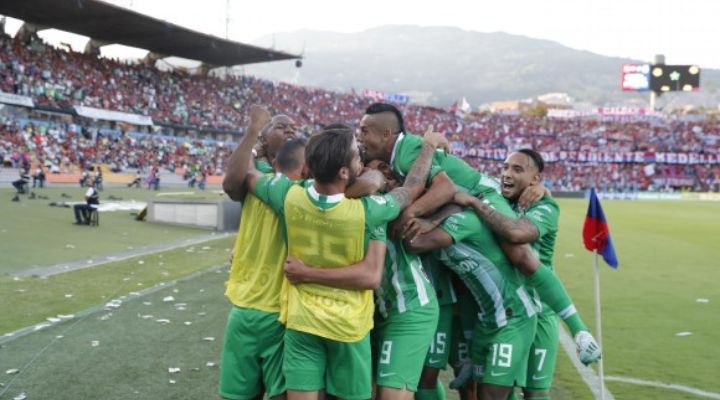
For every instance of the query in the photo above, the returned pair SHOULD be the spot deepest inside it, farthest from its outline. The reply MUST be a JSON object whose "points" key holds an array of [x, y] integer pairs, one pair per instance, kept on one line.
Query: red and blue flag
{"points": [[596, 233]]}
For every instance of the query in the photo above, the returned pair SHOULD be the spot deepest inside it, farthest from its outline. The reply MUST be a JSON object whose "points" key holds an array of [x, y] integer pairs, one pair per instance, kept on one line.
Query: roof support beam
{"points": [[93, 46], [28, 31], [152, 57]]}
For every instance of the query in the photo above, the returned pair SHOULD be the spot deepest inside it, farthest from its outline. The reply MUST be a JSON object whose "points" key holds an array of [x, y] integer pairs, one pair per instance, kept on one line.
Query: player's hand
{"points": [[464, 199], [464, 376], [295, 270], [231, 257], [531, 195], [416, 227], [397, 227], [259, 118], [436, 140]]}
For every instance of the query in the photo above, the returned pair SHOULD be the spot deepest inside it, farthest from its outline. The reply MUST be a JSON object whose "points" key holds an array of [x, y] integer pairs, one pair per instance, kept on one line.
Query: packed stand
{"points": [[58, 78]]}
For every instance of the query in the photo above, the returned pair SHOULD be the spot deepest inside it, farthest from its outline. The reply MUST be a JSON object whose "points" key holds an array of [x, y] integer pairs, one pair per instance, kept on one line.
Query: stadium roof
{"points": [[116, 25]]}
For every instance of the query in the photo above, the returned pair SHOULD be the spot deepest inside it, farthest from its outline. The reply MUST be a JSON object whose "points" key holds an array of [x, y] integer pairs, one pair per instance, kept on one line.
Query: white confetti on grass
{"points": [[53, 319], [209, 339], [172, 381], [141, 262], [187, 323], [66, 316], [168, 299], [173, 370], [68, 295], [163, 321], [702, 301], [681, 334], [210, 364], [12, 371], [21, 396], [95, 343]]}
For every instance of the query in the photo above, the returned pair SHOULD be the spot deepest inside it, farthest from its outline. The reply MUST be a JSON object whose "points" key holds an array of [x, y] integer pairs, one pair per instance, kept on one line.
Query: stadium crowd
{"points": [[59, 79]]}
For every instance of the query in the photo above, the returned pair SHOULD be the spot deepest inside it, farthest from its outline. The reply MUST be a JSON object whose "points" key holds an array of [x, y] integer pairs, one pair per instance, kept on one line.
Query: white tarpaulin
{"points": [[99, 113], [9, 98]]}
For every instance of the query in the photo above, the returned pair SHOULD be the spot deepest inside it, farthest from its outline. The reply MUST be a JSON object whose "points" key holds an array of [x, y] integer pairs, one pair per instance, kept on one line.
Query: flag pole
{"points": [[598, 323]]}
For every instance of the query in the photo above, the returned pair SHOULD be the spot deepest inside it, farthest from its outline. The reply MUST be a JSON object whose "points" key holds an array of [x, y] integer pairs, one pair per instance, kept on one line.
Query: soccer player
{"points": [[506, 321], [253, 341], [406, 311], [326, 341], [537, 226]]}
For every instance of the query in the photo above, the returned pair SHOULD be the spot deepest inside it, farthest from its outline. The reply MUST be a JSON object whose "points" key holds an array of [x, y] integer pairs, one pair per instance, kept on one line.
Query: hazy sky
{"points": [[684, 30]]}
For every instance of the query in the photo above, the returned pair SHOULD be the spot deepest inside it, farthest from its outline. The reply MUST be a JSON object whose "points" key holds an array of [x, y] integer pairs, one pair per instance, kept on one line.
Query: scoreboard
{"points": [[636, 77], [675, 78], [660, 78]]}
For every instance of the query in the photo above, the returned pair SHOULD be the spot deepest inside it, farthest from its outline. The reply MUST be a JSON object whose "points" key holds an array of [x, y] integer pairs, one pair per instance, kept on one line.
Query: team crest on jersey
{"points": [[379, 199]]}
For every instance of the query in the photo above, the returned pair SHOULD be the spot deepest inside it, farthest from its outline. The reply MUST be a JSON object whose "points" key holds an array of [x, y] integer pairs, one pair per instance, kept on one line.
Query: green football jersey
{"points": [[407, 148], [405, 285], [440, 278], [477, 259], [545, 215]]}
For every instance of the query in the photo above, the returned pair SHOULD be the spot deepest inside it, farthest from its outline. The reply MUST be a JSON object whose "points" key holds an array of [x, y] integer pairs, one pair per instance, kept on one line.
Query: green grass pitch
{"points": [[668, 254]]}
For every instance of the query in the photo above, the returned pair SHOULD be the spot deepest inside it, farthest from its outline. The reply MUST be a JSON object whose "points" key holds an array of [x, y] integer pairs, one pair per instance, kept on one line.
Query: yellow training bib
{"points": [[256, 274], [327, 238]]}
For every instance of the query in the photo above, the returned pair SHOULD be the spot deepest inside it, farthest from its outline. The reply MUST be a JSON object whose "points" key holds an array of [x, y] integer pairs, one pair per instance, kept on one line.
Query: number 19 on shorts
{"points": [[502, 355]]}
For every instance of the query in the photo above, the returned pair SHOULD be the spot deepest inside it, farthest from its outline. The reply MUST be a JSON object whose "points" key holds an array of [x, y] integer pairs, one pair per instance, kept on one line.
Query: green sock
{"points": [[427, 394], [512, 396], [440, 390], [553, 293]]}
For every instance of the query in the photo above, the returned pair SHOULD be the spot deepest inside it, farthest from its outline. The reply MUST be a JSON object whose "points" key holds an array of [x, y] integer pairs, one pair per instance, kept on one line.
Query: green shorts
{"points": [[543, 353], [500, 355], [437, 355], [316, 363], [252, 355], [400, 345], [462, 330]]}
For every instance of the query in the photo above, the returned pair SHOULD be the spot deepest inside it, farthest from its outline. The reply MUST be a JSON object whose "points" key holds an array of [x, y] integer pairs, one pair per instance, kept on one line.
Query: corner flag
{"points": [[596, 233]]}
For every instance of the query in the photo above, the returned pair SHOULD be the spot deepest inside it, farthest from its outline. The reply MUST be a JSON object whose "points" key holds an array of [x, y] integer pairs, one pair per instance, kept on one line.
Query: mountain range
{"points": [[440, 65]]}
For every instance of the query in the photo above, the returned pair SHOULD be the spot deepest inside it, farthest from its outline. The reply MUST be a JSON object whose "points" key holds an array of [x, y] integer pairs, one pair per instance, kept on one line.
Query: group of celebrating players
{"points": [[369, 259]]}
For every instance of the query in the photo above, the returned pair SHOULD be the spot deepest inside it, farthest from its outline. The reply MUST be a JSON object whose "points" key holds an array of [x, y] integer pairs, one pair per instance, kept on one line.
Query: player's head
{"points": [[332, 155], [382, 166], [280, 129], [290, 159], [521, 169], [378, 131]]}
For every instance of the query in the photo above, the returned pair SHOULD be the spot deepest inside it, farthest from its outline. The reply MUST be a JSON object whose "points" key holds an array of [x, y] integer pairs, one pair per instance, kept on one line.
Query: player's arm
{"points": [[365, 275], [418, 226], [369, 182], [532, 194], [240, 161], [521, 257], [415, 180], [439, 193], [506, 228], [434, 240]]}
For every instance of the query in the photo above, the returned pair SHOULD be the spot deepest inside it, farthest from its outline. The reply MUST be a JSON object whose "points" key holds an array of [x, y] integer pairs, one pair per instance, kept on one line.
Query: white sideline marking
{"points": [[671, 386], [592, 380]]}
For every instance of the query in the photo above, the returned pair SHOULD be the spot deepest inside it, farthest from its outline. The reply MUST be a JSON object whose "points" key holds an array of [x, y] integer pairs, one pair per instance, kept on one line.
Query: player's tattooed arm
{"points": [[508, 229], [240, 160], [415, 180]]}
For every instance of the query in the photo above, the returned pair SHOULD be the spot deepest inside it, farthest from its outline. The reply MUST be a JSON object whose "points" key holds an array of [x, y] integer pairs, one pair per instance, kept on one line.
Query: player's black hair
{"points": [[328, 151], [377, 108], [287, 156], [536, 157]]}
